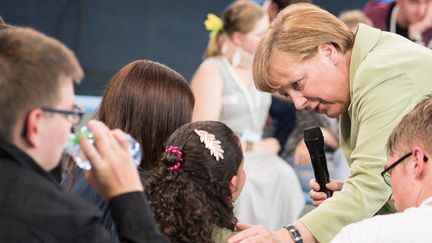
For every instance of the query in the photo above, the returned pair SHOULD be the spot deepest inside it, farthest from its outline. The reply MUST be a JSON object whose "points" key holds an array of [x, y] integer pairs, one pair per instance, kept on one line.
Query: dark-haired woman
{"points": [[147, 100], [192, 190]]}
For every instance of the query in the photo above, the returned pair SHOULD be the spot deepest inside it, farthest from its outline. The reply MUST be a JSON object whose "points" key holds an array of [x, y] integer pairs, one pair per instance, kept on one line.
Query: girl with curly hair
{"points": [[192, 189]]}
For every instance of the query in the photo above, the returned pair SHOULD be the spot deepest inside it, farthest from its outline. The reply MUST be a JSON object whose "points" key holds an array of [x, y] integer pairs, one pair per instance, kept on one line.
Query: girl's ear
{"points": [[233, 185], [237, 38]]}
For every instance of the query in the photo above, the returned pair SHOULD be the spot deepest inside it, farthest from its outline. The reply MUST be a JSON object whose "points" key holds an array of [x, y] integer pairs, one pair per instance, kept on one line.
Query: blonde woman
{"points": [[369, 79]]}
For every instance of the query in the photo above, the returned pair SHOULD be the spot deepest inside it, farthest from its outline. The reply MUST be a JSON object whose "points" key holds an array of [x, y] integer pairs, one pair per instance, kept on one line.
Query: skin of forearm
{"points": [[330, 139], [282, 235]]}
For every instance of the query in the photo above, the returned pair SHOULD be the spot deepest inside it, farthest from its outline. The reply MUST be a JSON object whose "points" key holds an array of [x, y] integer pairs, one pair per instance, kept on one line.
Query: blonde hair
{"points": [[298, 31], [354, 17], [415, 128], [240, 16]]}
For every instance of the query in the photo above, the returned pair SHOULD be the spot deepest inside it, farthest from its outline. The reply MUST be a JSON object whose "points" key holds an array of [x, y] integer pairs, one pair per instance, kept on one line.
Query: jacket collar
{"points": [[12, 154], [366, 39]]}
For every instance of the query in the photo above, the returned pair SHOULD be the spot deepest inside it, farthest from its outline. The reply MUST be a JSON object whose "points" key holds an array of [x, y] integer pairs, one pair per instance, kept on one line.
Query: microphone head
{"points": [[313, 137]]}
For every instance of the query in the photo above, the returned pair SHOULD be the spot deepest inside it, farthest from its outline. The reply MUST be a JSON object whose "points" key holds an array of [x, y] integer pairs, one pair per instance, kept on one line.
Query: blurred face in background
{"points": [[271, 8], [249, 41], [412, 11]]}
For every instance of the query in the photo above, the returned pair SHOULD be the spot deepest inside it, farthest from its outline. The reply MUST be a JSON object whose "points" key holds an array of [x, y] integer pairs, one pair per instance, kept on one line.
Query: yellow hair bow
{"points": [[213, 24]]}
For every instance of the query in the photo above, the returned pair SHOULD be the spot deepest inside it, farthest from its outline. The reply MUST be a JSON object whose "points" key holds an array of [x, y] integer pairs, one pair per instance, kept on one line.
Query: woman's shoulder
{"points": [[210, 72], [212, 63]]}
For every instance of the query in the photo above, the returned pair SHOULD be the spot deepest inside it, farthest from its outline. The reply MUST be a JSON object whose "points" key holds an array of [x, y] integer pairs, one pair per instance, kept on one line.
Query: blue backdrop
{"points": [[107, 34]]}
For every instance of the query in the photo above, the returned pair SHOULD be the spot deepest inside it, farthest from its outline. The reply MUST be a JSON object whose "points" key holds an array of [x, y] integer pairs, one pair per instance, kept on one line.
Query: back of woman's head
{"points": [[149, 101], [240, 16], [189, 190], [298, 31]]}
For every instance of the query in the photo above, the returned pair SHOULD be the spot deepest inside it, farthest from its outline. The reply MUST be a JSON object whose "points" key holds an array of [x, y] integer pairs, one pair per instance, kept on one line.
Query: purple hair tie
{"points": [[175, 150]]}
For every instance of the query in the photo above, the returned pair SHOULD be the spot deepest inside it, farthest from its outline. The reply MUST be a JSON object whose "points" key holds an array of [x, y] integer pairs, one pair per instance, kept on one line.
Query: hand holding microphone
{"points": [[319, 197], [321, 187]]}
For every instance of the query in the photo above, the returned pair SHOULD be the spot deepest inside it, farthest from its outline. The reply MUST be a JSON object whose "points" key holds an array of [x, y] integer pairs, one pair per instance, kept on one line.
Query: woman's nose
{"points": [[298, 99]]}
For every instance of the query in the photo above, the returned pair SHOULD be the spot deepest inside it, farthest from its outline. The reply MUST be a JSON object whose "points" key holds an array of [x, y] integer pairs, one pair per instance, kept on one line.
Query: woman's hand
{"points": [[267, 145], [113, 171], [319, 197], [257, 233]]}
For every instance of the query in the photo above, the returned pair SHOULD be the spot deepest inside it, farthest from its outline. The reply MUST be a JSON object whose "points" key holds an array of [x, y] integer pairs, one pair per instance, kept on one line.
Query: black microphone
{"points": [[314, 140]]}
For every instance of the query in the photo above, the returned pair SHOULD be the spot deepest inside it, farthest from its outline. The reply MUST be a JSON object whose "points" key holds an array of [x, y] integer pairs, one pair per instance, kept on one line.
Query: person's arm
{"points": [[260, 234], [133, 219], [207, 87], [115, 177], [301, 153], [330, 139], [268, 145]]}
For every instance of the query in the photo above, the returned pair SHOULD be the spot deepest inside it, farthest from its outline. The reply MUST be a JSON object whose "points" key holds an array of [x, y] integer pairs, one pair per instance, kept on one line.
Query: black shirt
{"points": [[33, 208]]}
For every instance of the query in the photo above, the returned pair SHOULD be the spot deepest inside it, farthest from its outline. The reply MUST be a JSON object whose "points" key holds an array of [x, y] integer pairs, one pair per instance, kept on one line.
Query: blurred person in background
{"points": [[354, 17], [224, 90], [410, 18]]}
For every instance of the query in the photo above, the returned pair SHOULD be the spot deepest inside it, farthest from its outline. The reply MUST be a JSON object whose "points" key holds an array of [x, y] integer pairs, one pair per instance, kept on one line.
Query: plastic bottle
{"points": [[73, 148]]}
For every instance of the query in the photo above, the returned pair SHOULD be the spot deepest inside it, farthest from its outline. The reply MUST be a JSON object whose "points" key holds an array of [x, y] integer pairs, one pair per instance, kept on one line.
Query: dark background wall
{"points": [[107, 34]]}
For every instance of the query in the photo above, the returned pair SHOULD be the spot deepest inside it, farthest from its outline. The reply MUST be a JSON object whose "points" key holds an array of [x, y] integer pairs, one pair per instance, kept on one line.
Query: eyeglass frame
{"points": [[388, 169], [76, 112]]}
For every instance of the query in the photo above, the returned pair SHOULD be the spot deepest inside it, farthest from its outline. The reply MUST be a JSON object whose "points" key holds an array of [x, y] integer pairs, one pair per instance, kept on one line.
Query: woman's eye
{"points": [[284, 94], [296, 85]]}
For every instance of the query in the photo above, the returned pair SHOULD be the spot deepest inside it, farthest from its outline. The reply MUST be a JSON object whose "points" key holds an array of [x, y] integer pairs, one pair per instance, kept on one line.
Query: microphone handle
{"points": [[322, 177]]}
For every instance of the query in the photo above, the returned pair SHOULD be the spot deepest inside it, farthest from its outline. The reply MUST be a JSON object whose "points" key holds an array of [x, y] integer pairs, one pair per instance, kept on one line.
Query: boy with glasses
{"points": [[409, 173], [37, 112]]}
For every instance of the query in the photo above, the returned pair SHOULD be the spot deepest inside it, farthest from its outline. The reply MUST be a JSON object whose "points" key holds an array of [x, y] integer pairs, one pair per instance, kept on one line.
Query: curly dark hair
{"points": [[190, 201]]}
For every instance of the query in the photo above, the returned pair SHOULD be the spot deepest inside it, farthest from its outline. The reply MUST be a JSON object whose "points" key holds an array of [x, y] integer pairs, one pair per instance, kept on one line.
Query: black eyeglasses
{"points": [[386, 173], [75, 115]]}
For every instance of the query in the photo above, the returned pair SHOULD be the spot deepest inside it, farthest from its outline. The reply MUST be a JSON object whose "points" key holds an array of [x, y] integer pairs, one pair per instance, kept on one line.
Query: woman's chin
{"points": [[332, 113]]}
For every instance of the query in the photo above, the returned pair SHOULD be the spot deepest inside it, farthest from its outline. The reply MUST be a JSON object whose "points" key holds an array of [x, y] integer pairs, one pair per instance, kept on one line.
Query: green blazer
{"points": [[388, 76]]}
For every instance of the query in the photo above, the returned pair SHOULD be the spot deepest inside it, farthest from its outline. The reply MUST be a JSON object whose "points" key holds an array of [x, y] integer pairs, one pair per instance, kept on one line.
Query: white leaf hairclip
{"points": [[211, 143]]}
